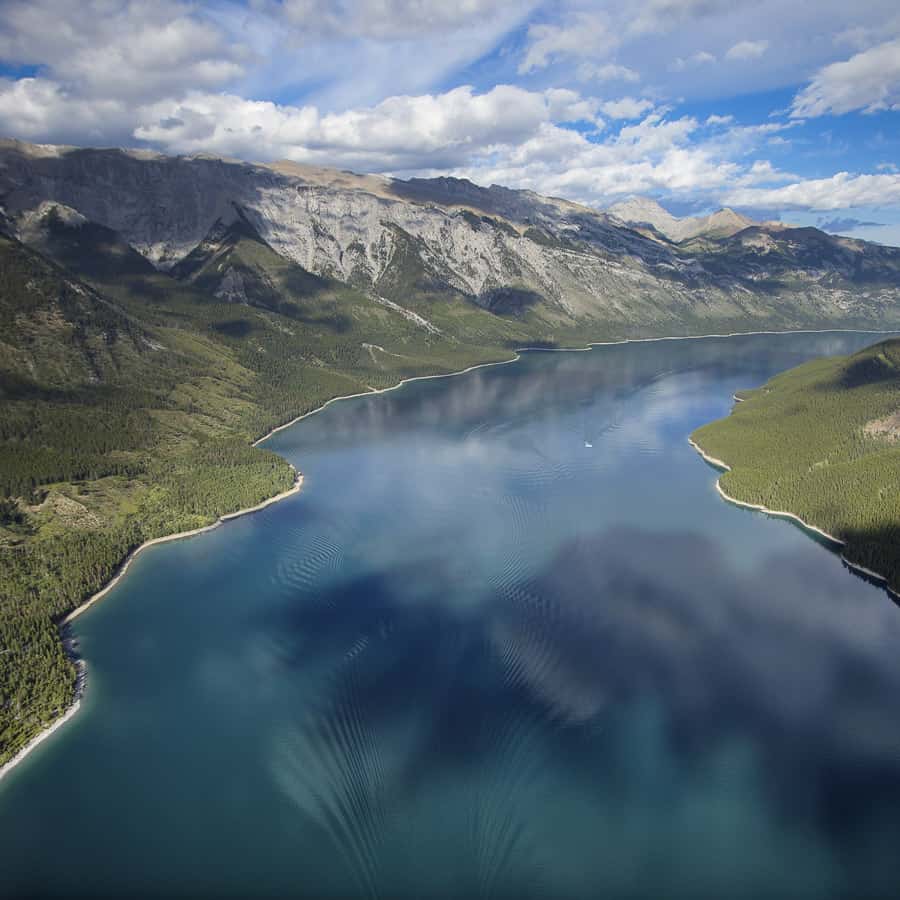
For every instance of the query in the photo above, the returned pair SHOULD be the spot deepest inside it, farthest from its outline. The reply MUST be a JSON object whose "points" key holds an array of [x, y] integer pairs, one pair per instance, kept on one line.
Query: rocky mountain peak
{"points": [[643, 211]]}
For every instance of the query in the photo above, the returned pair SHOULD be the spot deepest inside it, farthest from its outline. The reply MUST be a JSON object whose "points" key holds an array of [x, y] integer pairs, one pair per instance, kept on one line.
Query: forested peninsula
{"points": [[822, 442]]}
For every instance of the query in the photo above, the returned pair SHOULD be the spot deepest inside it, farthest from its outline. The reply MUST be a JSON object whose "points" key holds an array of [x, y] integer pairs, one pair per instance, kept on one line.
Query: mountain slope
{"points": [[790, 254], [56, 332]]}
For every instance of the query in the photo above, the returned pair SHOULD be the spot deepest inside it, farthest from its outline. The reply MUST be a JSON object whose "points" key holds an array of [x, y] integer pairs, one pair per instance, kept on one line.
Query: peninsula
{"points": [[821, 444]]}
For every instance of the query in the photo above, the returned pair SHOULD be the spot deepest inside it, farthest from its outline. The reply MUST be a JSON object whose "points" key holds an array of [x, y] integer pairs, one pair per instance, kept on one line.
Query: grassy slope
{"points": [[798, 444]]}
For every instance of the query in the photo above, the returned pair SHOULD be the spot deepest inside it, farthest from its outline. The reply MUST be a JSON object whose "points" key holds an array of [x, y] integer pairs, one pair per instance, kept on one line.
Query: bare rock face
{"points": [[161, 206], [493, 245], [888, 427], [642, 211]]}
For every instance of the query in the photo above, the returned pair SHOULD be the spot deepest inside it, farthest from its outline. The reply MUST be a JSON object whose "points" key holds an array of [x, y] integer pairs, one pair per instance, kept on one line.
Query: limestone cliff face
{"points": [[475, 241], [641, 211]]}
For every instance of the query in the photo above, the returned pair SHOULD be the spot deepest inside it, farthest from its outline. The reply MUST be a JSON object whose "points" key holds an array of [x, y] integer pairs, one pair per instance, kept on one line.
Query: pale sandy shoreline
{"points": [[784, 514], [123, 567], [375, 391], [701, 337], [39, 738]]}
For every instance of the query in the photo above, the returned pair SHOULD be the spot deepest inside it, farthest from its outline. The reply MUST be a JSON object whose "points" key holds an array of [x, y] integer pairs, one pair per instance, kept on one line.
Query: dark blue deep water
{"points": [[476, 657]]}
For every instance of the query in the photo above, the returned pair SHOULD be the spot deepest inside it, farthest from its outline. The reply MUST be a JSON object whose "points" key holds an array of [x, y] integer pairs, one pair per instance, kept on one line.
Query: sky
{"points": [[778, 108]]}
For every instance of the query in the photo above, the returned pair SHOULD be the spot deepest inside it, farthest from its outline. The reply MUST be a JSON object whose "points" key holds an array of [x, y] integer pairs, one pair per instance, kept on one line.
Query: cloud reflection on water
{"points": [[639, 663], [555, 696]]}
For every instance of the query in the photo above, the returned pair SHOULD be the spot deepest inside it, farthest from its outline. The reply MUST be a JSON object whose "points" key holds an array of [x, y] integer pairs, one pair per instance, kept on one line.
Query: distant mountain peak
{"points": [[637, 211], [637, 203], [49, 213]]}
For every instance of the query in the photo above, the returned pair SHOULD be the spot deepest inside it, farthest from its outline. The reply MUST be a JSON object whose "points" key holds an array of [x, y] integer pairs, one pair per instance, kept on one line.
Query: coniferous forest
{"points": [[822, 441]]}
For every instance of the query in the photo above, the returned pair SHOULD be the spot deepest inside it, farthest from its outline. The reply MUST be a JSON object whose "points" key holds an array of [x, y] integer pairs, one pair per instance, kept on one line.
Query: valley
{"points": [[162, 313]]}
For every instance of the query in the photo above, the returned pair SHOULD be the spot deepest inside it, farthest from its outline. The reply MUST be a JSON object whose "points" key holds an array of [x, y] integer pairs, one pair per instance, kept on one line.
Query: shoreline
{"points": [[120, 572], [122, 569], [393, 387], [701, 337], [41, 736], [793, 517]]}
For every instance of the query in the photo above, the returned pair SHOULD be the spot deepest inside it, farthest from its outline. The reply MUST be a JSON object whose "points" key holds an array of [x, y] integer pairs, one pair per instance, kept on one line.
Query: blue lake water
{"points": [[478, 657]]}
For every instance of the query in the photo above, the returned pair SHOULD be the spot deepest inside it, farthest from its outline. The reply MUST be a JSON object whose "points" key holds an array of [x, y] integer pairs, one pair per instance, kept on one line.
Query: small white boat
{"points": [[588, 444]]}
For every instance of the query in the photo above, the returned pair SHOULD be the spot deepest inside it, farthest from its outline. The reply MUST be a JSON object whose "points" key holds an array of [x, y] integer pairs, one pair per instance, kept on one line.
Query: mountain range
{"points": [[556, 266], [642, 213]]}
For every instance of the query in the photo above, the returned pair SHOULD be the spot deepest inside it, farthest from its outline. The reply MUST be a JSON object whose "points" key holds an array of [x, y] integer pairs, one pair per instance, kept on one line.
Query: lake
{"points": [[508, 642]]}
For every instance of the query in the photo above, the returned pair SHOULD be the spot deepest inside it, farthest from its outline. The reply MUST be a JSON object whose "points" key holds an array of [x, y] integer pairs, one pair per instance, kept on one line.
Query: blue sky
{"points": [[780, 109]]}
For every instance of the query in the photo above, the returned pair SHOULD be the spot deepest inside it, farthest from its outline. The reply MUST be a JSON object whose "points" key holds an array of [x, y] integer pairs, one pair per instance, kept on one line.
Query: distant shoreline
{"points": [[784, 514], [122, 568], [589, 346]]}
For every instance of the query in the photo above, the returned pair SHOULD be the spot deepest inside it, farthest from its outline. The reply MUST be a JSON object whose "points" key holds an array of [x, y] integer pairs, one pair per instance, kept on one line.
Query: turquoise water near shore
{"points": [[507, 642]]}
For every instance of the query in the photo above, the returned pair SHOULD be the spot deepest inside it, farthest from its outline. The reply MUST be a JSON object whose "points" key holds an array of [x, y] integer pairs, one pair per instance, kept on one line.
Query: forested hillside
{"points": [[130, 399], [823, 441]]}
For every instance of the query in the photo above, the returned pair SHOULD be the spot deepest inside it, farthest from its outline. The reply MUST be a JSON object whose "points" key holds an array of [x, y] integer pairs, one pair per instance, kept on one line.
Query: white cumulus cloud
{"points": [[744, 50], [841, 191], [118, 49], [400, 133], [585, 34], [869, 81], [626, 108]]}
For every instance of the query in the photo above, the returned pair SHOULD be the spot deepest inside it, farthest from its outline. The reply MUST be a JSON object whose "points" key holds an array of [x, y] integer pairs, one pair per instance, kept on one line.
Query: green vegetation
{"points": [[823, 441]]}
